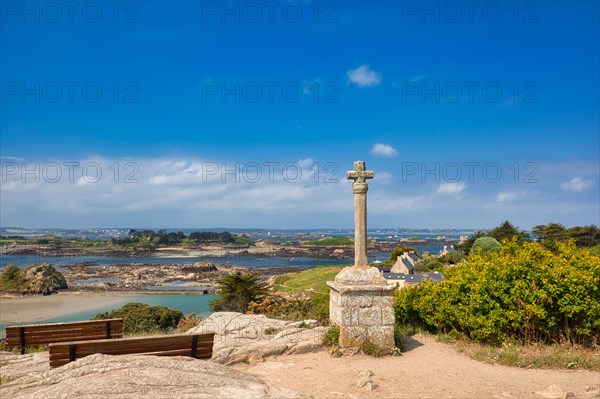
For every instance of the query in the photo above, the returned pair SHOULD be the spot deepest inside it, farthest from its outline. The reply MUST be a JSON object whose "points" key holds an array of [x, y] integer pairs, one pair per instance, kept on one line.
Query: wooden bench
{"points": [[198, 346], [42, 334]]}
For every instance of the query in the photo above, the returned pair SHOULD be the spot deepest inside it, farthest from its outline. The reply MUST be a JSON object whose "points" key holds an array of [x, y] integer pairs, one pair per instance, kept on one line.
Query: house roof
{"points": [[413, 256], [414, 278], [407, 263]]}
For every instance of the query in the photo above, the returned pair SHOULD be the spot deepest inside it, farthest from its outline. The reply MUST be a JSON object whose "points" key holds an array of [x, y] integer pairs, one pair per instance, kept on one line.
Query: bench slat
{"points": [[130, 349], [65, 333], [39, 334], [170, 345], [66, 325]]}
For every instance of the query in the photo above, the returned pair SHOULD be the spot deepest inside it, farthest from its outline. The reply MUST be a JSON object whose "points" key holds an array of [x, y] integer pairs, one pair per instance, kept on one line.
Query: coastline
{"points": [[14, 310]]}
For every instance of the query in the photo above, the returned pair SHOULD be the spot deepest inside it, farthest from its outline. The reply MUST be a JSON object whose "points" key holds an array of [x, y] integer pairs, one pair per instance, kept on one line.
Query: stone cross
{"points": [[360, 188]]}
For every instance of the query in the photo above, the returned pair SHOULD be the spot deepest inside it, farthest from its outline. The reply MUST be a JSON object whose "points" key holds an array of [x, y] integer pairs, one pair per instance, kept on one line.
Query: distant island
{"points": [[138, 243]]}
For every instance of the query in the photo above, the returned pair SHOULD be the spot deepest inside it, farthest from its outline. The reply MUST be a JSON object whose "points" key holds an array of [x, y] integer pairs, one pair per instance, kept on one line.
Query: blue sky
{"points": [[161, 114]]}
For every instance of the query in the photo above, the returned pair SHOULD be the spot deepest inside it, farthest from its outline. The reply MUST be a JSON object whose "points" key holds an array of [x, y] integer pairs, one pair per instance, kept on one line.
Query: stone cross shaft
{"points": [[360, 188]]}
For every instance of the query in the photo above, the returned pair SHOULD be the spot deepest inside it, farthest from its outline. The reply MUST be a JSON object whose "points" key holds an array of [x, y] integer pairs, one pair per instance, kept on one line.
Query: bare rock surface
{"points": [[14, 366], [251, 338], [101, 376]]}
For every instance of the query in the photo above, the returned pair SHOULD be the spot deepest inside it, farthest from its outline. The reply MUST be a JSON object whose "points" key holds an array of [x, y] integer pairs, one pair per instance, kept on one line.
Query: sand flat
{"points": [[39, 308]]}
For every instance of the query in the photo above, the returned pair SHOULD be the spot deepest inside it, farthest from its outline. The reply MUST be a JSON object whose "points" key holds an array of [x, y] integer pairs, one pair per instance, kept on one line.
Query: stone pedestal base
{"points": [[361, 304]]}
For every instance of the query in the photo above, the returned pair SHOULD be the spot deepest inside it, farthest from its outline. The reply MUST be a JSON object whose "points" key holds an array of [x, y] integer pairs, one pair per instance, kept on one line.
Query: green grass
{"points": [[8, 241], [312, 280], [533, 355], [332, 242]]}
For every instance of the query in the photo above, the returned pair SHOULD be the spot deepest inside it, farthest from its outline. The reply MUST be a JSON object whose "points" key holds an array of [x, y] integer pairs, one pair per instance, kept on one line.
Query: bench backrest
{"points": [[42, 334], [199, 346]]}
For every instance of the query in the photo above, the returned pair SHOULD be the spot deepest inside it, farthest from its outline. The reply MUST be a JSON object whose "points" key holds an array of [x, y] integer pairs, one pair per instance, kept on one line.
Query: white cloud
{"points": [[577, 184], [364, 76], [509, 196], [196, 192], [451, 188], [384, 150]]}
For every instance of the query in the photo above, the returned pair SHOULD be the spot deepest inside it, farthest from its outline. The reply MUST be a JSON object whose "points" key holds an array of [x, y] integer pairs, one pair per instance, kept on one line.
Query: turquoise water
{"points": [[186, 303]]}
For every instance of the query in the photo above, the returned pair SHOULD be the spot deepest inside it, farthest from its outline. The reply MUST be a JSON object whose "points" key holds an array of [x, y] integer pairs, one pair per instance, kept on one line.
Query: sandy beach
{"points": [[39, 308]]}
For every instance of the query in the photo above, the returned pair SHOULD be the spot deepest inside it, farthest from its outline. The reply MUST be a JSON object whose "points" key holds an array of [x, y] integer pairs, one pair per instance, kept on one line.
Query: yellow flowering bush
{"points": [[523, 292]]}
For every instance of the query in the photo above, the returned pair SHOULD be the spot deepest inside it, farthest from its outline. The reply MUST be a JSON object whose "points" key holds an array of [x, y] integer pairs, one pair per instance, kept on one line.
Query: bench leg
{"points": [[22, 339]]}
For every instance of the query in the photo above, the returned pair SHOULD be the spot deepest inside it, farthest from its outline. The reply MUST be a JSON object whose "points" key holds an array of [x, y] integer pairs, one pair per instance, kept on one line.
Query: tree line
{"points": [[548, 235], [162, 237]]}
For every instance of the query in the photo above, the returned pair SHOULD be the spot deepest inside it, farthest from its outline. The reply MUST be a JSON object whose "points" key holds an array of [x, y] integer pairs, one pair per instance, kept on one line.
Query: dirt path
{"points": [[428, 369]]}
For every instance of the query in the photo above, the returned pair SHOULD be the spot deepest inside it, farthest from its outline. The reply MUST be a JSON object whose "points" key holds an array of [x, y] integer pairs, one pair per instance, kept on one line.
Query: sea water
{"points": [[197, 304]]}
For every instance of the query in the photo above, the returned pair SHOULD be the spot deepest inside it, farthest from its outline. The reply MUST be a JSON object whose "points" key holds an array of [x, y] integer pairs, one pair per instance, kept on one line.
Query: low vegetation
{"points": [[299, 296], [311, 280], [371, 349], [533, 355], [332, 242], [188, 322], [523, 293], [139, 318], [34, 279], [293, 307], [10, 278], [332, 335]]}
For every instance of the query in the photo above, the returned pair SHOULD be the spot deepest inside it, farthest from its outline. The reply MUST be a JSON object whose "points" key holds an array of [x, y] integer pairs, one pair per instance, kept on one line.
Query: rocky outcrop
{"points": [[129, 377], [44, 279], [35, 279], [251, 338], [13, 366]]}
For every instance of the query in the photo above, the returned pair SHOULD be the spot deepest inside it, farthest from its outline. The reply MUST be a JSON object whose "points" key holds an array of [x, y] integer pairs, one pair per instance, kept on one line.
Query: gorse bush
{"points": [[526, 293]]}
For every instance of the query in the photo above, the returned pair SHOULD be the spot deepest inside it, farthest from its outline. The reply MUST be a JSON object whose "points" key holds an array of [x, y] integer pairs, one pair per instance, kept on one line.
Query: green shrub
{"points": [[9, 278], [142, 318], [332, 335], [371, 349], [429, 264], [189, 322], [525, 293], [486, 244], [400, 332], [451, 258], [395, 254]]}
